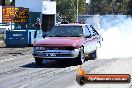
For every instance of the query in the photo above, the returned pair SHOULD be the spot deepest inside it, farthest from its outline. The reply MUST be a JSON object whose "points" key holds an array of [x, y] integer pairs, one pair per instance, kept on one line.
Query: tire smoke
{"points": [[117, 38]]}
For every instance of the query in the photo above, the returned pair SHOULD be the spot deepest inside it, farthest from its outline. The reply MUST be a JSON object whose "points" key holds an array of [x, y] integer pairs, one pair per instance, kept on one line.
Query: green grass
{"points": [[1, 36], [2, 44]]}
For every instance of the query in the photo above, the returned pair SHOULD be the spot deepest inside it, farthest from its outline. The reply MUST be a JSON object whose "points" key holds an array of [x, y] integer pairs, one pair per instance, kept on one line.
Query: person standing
{"points": [[64, 21], [37, 25]]}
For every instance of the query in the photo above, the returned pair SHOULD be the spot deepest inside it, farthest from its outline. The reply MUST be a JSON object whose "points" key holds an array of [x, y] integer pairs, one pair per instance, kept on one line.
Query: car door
{"points": [[94, 37], [88, 44]]}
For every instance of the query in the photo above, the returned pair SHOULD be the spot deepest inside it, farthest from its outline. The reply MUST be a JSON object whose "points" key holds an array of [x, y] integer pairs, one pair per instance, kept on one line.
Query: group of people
{"points": [[38, 24], [64, 21]]}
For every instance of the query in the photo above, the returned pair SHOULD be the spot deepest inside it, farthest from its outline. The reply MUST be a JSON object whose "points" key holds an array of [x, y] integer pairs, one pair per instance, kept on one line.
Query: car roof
{"points": [[72, 24]]}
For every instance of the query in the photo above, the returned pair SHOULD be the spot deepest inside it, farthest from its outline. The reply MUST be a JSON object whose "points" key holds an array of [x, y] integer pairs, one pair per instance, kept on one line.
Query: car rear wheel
{"points": [[38, 61], [93, 55]]}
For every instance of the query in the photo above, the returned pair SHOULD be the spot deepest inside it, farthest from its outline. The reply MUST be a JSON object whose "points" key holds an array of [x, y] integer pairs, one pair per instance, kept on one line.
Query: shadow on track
{"points": [[50, 64]]}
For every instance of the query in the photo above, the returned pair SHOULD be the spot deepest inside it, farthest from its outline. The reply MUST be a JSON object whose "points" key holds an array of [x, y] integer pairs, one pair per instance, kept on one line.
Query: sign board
{"points": [[49, 7], [33, 5], [14, 14], [0, 14]]}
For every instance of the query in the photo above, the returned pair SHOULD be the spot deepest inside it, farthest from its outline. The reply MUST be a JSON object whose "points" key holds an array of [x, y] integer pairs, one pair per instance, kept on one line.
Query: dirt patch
{"points": [[6, 53]]}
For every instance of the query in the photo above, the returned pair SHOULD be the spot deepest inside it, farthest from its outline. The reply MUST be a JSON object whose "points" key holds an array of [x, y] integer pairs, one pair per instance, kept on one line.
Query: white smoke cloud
{"points": [[117, 38]]}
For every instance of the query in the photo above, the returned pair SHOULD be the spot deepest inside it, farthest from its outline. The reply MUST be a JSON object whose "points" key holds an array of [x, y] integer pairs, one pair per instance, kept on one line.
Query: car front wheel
{"points": [[38, 61], [81, 57], [93, 55]]}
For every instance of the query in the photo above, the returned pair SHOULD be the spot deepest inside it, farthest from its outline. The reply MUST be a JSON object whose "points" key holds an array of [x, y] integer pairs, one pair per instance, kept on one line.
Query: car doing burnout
{"points": [[75, 42]]}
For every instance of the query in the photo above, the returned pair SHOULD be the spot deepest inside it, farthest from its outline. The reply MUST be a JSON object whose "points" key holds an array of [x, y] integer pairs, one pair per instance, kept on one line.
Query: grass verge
{"points": [[1, 36], [2, 44]]}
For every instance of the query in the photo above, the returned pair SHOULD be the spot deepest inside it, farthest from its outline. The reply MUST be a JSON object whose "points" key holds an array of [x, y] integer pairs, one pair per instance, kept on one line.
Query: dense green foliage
{"points": [[114, 7], [7, 2], [129, 7], [109, 6], [68, 8]]}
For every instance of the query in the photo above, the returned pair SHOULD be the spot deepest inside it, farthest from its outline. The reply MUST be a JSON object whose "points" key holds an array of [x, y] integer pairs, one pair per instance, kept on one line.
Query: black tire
{"points": [[93, 55], [38, 61], [81, 57], [79, 62], [81, 80]]}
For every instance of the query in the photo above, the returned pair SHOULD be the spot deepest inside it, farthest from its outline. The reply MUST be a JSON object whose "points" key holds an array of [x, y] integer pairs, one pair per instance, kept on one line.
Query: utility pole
{"points": [[3, 2], [77, 10]]}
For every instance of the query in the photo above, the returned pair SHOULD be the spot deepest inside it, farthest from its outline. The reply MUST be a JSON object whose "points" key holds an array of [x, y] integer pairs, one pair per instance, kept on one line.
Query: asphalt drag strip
{"points": [[22, 72]]}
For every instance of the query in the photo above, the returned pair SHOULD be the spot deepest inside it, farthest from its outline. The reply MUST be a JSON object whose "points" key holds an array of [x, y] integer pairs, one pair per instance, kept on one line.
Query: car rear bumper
{"points": [[56, 54]]}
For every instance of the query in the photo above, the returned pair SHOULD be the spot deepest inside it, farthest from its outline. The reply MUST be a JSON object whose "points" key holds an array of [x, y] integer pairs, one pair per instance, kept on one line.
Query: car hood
{"points": [[60, 41]]}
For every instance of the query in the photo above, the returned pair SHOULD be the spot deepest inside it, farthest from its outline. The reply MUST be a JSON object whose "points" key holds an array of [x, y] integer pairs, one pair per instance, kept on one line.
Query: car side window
{"points": [[93, 31], [86, 31]]}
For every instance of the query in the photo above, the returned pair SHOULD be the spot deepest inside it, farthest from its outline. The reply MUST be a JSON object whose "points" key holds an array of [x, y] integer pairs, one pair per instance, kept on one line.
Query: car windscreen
{"points": [[66, 31]]}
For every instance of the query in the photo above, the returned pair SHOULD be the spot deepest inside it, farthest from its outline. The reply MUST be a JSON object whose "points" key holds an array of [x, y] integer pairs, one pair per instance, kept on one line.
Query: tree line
{"points": [[68, 8], [7, 2]]}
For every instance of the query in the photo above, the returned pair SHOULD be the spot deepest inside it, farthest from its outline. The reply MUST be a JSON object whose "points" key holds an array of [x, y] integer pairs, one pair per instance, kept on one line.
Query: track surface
{"points": [[20, 71]]}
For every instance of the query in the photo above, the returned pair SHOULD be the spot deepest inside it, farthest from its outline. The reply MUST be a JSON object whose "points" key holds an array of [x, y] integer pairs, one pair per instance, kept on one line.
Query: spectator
{"points": [[82, 21], [64, 21], [37, 25]]}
